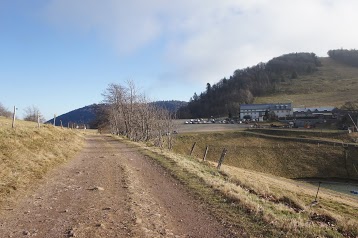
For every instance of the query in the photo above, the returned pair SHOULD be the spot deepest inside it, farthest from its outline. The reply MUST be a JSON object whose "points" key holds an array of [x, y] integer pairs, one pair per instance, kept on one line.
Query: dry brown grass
{"points": [[332, 85], [28, 152], [281, 157], [282, 204]]}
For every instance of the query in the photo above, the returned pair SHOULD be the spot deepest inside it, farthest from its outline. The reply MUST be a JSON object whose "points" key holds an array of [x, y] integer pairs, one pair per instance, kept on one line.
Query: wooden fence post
{"points": [[221, 160], [319, 185], [206, 152], [346, 161], [54, 120], [14, 117], [38, 120], [192, 148], [355, 169]]}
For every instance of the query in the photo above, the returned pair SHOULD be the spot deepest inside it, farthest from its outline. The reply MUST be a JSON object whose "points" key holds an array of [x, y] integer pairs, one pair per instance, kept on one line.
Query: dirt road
{"points": [[108, 190]]}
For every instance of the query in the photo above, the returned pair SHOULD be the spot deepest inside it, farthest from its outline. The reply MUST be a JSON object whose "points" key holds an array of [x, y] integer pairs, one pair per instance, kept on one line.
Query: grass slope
{"points": [[277, 156], [256, 204], [332, 85], [28, 152]]}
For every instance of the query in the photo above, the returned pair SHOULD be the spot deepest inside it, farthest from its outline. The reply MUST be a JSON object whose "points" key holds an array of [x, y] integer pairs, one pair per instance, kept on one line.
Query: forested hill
{"points": [[224, 98], [95, 114], [348, 57], [85, 115], [172, 105]]}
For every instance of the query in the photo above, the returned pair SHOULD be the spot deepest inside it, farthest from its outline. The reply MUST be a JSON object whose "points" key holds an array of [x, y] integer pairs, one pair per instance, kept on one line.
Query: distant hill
{"points": [[84, 115], [349, 57], [88, 115], [302, 79], [333, 84], [224, 98], [171, 105]]}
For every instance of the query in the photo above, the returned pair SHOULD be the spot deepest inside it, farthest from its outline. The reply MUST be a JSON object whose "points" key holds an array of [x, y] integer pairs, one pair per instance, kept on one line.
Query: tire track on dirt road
{"points": [[163, 206], [85, 197]]}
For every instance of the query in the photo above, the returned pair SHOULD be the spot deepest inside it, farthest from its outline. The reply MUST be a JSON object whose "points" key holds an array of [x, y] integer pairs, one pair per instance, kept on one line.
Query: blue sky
{"points": [[59, 55]]}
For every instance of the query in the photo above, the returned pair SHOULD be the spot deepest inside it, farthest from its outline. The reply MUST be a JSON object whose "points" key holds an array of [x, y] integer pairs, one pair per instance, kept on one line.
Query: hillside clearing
{"points": [[332, 85]]}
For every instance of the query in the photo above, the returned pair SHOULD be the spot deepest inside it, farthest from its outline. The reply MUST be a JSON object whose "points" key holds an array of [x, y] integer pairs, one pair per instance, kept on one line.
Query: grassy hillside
{"points": [[277, 156], [259, 204], [28, 152], [333, 84]]}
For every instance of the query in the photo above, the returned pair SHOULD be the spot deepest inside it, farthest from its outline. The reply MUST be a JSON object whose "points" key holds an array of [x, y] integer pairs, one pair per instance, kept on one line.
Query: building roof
{"points": [[313, 109], [268, 106]]}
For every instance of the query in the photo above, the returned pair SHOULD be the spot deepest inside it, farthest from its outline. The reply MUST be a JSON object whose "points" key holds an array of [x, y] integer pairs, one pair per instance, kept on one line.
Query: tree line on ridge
{"points": [[224, 98]]}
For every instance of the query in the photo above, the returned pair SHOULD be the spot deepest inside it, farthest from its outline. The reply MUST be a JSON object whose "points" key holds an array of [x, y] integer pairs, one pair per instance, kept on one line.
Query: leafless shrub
{"points": [[4, 112], [32, 113], [131, 115]]}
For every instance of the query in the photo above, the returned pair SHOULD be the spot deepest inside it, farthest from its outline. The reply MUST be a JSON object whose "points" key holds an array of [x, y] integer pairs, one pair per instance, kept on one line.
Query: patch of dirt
{"points": [[321, 218], [109, 190]]}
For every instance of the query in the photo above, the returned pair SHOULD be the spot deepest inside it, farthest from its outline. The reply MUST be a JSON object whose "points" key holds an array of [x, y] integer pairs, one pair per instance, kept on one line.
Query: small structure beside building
{"points": [[313, 112], [309, 116], [259, 111]]}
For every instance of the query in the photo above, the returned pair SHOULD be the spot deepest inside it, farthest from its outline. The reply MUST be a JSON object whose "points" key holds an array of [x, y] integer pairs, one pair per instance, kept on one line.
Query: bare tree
{"points": [[117, 100], [4, 111], [131, 114], [32, 113]]}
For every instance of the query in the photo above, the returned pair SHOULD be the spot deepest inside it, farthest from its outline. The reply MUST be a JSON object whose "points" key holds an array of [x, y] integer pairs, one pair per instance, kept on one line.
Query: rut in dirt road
{"points": [[108, 190], [84, 198]]}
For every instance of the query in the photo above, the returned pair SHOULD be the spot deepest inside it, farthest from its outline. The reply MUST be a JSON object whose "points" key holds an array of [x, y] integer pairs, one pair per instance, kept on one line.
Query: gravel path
{"points": [[108, 190]]}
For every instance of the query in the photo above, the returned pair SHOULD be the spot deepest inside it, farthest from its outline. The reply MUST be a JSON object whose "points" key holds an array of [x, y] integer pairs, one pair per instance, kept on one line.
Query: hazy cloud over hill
{"points": [[196, 38]]}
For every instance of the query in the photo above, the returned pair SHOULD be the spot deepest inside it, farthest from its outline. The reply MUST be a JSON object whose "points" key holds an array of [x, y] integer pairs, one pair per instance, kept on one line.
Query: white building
{"points": [[258, 111]]}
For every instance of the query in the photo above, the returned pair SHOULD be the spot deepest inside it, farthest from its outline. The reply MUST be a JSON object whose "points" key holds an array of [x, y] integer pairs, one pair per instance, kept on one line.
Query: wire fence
{"points": [[275, 146], [335, 155]]}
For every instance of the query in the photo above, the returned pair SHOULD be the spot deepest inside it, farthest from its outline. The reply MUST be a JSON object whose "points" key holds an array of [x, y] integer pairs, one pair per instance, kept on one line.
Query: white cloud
{"points": [[205, 40], [128, 25], [236, 35]]}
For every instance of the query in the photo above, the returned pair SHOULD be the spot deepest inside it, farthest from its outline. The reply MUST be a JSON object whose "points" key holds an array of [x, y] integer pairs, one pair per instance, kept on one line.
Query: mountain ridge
{"points": [[87, 115], [302, 79]]}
